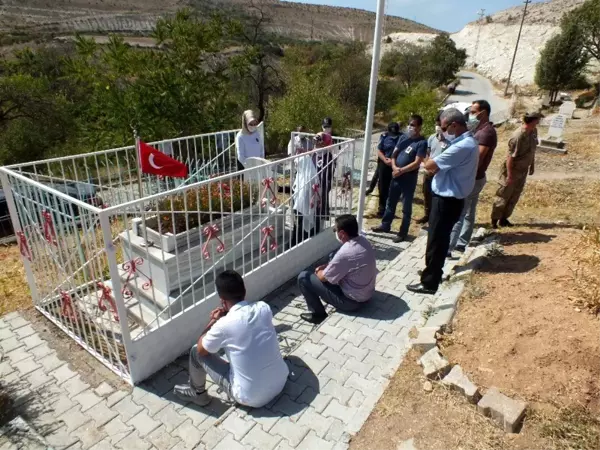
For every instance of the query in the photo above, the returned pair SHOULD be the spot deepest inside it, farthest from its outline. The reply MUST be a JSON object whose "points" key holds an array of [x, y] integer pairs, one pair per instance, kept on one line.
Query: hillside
{"points": [[296, 20], [498, 36]]}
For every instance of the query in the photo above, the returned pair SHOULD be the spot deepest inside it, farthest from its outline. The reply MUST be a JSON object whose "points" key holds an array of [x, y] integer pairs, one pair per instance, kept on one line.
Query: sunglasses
{"points": [[444, 129]]}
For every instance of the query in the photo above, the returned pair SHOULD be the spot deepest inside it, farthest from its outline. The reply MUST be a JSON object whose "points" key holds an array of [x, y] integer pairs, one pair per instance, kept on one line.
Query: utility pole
{"points": [[527, 2], [481, 13]]}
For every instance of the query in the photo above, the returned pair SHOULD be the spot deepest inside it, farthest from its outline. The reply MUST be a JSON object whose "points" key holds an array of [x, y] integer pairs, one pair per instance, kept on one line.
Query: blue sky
{"points": [[448, 15]]}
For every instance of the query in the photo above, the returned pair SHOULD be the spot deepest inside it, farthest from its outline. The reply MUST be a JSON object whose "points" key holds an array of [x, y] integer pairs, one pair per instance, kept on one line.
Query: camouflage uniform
{"points": [[521, 147]]}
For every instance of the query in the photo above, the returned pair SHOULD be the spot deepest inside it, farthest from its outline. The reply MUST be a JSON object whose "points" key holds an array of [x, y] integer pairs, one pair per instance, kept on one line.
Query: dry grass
{"points": [[14, 291], [570, 428], [587, 273]]}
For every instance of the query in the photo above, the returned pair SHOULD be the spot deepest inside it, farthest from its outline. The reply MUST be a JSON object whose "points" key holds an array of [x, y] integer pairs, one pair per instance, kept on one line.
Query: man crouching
{"points": [[256, 372]]}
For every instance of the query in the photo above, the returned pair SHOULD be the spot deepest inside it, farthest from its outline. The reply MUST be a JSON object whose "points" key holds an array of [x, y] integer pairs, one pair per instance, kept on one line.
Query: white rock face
{"points": [[497, 45]]}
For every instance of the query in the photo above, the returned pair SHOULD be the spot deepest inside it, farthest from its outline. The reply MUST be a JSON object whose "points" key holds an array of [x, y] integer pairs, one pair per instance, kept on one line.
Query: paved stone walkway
{"points": [[338, 372]]}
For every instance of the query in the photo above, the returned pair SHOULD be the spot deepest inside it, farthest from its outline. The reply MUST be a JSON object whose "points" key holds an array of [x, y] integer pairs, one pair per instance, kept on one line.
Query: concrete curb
{"points": [[505, 412]]}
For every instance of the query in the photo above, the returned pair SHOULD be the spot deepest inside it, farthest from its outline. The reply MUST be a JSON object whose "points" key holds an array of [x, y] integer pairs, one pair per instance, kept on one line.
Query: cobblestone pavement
{"points": [[338, 372]]}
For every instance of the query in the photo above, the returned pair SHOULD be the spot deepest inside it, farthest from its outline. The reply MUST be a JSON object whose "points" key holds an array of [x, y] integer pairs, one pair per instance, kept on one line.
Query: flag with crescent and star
{"points": [[157, 163]]}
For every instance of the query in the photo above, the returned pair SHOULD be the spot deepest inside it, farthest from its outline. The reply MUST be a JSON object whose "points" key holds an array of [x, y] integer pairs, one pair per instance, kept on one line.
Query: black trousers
{"points": [[385, 179], [427, 192], [445, 212], [374, 180]]}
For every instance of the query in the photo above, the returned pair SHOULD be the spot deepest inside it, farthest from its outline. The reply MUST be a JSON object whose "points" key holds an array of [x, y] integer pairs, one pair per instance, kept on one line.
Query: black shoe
{"points": [[420, 289], [380, 229], [368, 192], [495, 224], [419, 272], [313, 318], [460, 248], [380, 214], [422, 221], [399, 238], [505, 223]]}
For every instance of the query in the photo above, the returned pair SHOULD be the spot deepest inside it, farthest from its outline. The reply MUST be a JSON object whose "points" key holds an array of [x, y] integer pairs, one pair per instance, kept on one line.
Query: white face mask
{"points": [[338, 238], [252, 128], [411, 131], [449, 137]]}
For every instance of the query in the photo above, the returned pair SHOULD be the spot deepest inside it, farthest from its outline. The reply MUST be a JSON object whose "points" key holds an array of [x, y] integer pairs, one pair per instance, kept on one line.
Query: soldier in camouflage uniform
{"points": [[519, 163]]}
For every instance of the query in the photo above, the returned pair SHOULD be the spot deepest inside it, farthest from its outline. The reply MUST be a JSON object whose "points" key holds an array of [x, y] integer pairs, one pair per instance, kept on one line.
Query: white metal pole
{"points": [[370, 110], [138, 157]]}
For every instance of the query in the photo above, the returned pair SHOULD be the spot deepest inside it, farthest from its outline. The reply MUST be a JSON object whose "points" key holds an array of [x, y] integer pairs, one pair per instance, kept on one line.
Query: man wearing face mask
{"points": [[254, 372], [347, 281], [327, 126], [485, 133], [385, 148], [436, 144], [454, 178], [406, 160]]}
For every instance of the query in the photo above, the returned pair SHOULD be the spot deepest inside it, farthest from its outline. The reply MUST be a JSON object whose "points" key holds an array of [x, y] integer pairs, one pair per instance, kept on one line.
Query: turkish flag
{"points": [[157, 163]]}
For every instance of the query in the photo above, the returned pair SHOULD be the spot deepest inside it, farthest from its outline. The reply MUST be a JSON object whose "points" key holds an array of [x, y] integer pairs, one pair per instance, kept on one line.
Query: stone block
{"points": [[458, 381], [87, 399], [258, 439], [170, 418], [51, 362], [38, 378], [229, 443], [162, 440], [143, 423], [188, 433], [336, 390], [8, 345], [16, 321], [104, 390], [40, 351], [101, 414], [127, 409], [358, 367], [434, 364], [312, 441], [425, 340], [74, 418], [338, 411], [62, 374], [441, 317], [317, 401], [315, 421], [89, 435], [503, 410], [289, 430], [117, 430], [33, 341], [133, 442], [26, 366], [237, 426]]}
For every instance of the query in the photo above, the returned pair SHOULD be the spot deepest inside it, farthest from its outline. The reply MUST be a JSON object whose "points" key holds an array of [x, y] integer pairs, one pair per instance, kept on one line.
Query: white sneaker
{"points": [[188, 393]]}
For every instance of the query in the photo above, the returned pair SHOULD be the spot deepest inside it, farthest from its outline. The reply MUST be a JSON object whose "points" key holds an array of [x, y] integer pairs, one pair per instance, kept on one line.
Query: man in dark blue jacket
{"points": [[385, 148], [410, 151]]}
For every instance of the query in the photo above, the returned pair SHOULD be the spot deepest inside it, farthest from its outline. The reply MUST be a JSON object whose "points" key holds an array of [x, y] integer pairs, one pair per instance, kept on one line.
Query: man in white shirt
{"points": [[256, 372]]}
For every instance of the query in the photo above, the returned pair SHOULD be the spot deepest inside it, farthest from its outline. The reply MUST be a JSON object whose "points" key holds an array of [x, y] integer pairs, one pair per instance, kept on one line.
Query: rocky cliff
{"points": [[498, 35]]}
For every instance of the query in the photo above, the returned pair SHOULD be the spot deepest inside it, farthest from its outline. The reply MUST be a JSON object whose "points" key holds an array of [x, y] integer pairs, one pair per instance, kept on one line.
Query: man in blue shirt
{"points": [[385, 148], [406, 160], [454, 179]]}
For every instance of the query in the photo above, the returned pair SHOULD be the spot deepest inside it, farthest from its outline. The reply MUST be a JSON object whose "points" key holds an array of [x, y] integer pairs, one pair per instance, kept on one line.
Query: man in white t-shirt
{"points": [[256, 372]]}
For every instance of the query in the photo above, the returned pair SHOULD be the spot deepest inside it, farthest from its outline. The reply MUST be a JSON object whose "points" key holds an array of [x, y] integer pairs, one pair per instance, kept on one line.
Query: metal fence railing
{"points": [[111, 260]]}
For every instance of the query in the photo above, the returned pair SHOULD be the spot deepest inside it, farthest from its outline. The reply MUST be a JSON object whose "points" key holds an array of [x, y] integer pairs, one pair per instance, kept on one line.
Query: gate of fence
{"points": [[124, 262]]}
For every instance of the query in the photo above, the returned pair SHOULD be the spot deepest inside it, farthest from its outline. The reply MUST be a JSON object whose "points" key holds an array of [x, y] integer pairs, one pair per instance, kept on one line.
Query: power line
{"points": [[481, 13], [527, 2]]}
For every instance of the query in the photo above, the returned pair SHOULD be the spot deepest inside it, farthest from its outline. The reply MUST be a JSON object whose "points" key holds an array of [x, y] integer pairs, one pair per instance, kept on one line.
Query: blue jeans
{"points": [[213, 365], [403, 186], [463, 229]]}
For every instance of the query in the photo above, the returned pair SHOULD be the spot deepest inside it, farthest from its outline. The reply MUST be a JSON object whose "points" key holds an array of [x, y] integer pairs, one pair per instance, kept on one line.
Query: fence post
{"points": [[14, 217], [111, 255]]}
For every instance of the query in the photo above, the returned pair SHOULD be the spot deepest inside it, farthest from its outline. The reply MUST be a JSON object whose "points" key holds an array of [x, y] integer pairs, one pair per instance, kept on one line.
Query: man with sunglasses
{"points": [[454, 178]]}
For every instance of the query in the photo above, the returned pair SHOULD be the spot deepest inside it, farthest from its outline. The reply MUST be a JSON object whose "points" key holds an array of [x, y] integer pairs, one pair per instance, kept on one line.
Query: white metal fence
{"points": [[127, 269]]}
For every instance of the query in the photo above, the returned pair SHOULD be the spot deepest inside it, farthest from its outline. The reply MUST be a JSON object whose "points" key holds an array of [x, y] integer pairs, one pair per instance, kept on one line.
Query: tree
{"points": [[420, 100], [562, 62], [405, 64], [586, 20], [443, 60]]}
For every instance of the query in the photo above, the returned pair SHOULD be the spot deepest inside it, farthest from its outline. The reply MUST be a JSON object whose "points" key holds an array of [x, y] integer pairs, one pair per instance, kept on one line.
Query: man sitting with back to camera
{"points": [[256, 372], [347, 281]]}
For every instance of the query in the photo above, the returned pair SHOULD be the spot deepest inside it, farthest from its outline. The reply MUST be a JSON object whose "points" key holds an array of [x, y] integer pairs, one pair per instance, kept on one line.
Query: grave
{"points": [[553, 142], [567, 109]]}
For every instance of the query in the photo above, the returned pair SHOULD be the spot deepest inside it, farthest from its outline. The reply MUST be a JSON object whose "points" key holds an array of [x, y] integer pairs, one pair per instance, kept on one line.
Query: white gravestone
{"points": [[567, 109], [557, 127]]}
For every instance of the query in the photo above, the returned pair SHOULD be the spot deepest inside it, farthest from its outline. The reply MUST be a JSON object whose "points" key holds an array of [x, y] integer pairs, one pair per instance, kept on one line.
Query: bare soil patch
{"points": [[437, 420], [517, 328]]}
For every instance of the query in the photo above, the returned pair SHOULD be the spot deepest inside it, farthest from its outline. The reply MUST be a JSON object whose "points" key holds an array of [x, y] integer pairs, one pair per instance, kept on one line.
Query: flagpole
{"points": [[139, 163]]}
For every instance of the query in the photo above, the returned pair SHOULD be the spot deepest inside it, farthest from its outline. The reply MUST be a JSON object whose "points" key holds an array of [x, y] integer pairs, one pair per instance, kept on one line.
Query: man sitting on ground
{"points": [[347, 281], [256, 372]]}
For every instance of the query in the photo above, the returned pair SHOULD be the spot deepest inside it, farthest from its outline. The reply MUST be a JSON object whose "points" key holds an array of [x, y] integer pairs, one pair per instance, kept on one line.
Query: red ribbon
{"points": [[211, 232], [266, 231], [49, 233], [268, 184], [346, 185], [131, 268], [23, 247], [107, 296], [67, 306], [316, 195]]}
